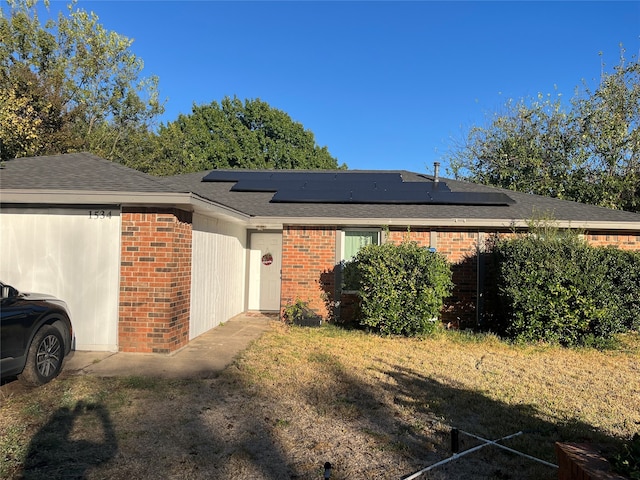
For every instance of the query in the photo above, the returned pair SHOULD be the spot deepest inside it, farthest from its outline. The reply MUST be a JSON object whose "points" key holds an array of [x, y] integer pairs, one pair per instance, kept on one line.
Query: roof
{"points": [[526, 206], [75, 171], [80, 178]]}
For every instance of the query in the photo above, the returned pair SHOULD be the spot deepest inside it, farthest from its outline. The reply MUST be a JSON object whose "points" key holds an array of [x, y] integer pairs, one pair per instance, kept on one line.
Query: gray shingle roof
{"points": [[526, 206], [83, 172], [75, 171]]}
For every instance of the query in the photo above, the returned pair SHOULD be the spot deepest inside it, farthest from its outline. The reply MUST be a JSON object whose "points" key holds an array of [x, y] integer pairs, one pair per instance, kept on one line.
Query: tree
{"points": [[588, 151], [609, 131], [233, 134], [70, 85], [32, 117]]}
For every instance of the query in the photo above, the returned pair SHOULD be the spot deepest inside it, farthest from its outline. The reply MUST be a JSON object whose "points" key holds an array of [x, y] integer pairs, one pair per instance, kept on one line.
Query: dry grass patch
{"points": [[376, 408]]}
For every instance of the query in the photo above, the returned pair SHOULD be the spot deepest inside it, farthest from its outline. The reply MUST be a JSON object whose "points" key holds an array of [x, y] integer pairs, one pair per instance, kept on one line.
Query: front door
{"points": [[265, 268]]}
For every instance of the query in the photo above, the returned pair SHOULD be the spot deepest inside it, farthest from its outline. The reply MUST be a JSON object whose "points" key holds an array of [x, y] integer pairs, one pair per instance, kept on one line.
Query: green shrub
{"points": [[623, 283], [402, 287], [556, 288], [299, 313], [627, 462]]}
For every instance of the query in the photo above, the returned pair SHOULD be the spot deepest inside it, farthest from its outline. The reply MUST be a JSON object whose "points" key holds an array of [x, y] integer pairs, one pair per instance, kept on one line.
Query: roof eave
{"points": [[500, 224], [195, 203], [184, 201]]}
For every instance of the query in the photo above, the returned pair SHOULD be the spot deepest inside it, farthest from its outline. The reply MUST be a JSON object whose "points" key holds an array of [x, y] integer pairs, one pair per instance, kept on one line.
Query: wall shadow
{"points": [[475, 303], [55, 452], [328, 281]]}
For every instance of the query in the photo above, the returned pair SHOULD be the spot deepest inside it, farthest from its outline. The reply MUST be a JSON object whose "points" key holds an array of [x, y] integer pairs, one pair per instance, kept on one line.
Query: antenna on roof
{"points": [[436, 171]]}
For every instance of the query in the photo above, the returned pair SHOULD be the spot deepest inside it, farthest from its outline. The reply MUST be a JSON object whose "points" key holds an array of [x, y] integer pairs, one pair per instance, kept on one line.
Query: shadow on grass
{"points": [[400, 426], [416, 413], [476, 413], [57, 451], [225, 427]]}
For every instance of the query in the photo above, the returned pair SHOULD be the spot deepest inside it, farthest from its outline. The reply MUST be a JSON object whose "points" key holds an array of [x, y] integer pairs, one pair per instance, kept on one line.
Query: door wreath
{"points": [[267, 259]]}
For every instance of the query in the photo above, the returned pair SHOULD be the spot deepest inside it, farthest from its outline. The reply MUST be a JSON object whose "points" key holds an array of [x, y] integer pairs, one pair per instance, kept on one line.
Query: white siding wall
{"points": [[72, 255], [218, 273]]}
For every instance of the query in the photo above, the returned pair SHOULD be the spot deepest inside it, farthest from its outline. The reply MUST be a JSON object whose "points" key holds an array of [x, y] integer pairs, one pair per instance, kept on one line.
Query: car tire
{"points": [[45, 356]]}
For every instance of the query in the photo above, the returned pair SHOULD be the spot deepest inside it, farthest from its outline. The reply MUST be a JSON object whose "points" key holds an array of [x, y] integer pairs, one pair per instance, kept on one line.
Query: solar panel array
{"points": [[350, 187]]}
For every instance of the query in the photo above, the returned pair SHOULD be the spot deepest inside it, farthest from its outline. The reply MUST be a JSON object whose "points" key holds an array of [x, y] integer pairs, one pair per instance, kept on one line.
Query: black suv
{"points": [[35, 335]]}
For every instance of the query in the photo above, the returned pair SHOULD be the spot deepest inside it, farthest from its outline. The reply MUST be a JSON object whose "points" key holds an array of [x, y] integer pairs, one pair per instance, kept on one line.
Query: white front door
{"points": [[265, 268]]}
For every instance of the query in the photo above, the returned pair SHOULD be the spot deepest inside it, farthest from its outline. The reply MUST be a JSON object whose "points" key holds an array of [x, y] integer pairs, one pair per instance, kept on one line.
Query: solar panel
{"points": [[390, 196], [350, 187], [364, 185], [472, 198], [289, 176], [259, 186]]}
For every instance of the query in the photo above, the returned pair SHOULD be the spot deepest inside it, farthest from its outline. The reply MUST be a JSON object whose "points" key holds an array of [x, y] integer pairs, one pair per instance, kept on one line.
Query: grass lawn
{"points": [[376, 408]]}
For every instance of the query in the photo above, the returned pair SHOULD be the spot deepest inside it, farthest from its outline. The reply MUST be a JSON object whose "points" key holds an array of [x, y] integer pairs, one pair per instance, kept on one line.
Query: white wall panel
{"points": [[73, 255], [218, 273]]}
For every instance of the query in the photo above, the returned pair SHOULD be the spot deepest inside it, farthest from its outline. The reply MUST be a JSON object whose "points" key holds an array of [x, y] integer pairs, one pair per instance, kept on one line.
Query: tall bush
{"points": [[623, 284], [402, 287], [555, 287]]}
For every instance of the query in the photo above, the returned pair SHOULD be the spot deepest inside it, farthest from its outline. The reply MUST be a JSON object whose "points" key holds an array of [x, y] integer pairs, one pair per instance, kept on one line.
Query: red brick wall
{"points": [[624, 242], [420, 236], [308, 261], [461, 249], [155, 280]]}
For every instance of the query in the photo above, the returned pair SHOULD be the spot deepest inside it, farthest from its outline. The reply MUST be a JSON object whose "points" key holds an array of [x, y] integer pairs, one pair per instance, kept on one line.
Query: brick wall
{"points": [[421, 236], [155, 280], [460, 248], [308, 262], [624, 242], [583, 461]]}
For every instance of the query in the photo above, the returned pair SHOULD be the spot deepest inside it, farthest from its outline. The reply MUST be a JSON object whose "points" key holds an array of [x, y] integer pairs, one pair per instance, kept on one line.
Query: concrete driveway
{"points": [[203, 357]]}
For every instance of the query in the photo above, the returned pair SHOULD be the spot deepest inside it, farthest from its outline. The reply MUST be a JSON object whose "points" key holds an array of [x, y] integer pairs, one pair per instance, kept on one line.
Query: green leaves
{"points": [[236, 134], [587, 150], [402, 287], [556, 288], [627, 461], [73, 85]]}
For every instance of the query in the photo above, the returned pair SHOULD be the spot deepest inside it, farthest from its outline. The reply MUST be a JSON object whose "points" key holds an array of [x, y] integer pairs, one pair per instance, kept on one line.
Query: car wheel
{"points": [[45, 356]]}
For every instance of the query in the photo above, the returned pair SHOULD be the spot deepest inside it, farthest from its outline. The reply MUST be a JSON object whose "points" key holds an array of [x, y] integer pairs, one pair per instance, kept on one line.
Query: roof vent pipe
{"points": [[436, 171]]}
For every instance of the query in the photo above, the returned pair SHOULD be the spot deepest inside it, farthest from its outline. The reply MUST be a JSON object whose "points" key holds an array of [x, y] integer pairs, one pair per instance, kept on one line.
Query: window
{"points": [[354, 240]]}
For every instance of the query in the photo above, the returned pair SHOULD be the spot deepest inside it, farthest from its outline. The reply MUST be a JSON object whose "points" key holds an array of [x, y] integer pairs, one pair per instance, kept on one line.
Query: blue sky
{"points": [[383, 85]]}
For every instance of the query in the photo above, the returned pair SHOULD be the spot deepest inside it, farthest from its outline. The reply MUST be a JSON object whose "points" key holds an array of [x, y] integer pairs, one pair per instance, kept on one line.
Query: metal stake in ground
{"points": [[327, 470]]}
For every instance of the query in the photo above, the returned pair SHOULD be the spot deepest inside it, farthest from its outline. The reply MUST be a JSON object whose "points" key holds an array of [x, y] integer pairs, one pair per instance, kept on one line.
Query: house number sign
{"points": [[99, 214], [267, 259]]}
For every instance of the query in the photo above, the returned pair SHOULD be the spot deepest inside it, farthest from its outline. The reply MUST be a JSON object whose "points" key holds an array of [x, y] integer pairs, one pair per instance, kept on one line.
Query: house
{"points": [[147, 263]]}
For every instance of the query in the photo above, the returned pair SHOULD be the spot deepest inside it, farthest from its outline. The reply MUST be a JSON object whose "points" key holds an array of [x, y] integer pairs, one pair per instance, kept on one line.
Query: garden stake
{"points": [[327, 470], [455, 444]]}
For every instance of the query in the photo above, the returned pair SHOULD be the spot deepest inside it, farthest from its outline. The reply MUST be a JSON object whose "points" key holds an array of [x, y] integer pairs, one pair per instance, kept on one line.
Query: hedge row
{"points": [[559, 289]]}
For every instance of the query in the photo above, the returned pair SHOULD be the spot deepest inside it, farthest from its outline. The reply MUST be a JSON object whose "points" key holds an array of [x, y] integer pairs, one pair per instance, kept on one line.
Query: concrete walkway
{"points": [[203, 357]]}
